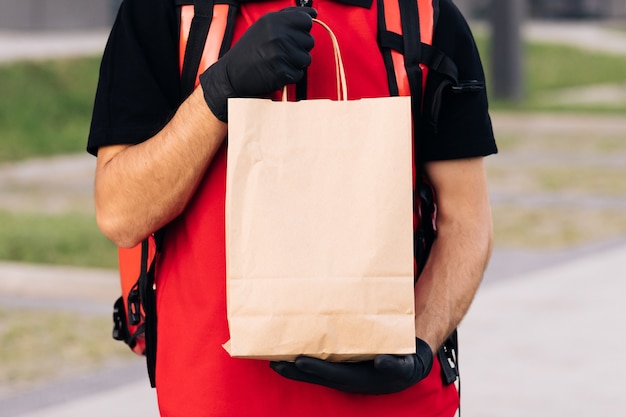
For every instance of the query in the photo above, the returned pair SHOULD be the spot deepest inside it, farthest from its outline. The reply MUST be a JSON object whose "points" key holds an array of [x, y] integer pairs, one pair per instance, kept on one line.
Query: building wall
{"points": [[99, 14], [57, 14], [553, 8], [578, 8]]}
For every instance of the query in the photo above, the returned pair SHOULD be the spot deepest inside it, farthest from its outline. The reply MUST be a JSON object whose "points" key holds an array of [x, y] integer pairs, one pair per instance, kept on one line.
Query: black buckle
{"points": [[120, 330], [134, 306], [447, 355], [468, 86]]}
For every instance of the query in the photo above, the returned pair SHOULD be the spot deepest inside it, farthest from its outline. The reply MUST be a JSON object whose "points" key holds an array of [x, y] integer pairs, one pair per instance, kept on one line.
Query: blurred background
{"points": [[556, 74], [41, 15]]}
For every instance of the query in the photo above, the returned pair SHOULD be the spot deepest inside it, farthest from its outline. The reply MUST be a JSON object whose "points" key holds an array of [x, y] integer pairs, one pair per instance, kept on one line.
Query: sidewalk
{"points": [[18, 45], [579, 34], [543, 343], [548, 343]]}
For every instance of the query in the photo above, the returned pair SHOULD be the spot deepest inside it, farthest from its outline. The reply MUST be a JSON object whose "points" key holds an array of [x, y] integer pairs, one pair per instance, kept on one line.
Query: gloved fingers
{"points": [[290, 371], [288, 77], [302, 40], [299, 59], [343, 373], [290, 18], [342, 382], [396, 366], [318, 367], [286, 369], [297, 9], [356, 377]]}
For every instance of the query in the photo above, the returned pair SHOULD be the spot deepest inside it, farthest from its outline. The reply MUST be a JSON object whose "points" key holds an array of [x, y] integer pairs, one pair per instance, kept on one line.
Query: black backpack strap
{"points": [[449, 358], [409, 44], [198, 33], [203, 14], [415, 53], [429, 55], [147, 296]]}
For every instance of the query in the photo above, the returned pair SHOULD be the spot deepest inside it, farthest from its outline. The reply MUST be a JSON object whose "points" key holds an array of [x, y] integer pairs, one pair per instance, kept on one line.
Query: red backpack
{"points": [[206, 29]]}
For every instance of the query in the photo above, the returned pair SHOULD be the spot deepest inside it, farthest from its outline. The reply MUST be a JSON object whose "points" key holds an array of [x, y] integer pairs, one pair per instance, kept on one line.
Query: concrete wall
{"points": [[57, 14]]}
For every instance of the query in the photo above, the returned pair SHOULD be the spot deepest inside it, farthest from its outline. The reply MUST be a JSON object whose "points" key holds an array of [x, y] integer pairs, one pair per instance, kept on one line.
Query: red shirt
{"points": [[195, 375]]}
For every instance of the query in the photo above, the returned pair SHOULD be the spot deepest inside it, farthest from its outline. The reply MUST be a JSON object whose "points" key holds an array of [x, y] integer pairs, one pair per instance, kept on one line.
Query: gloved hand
{"points": [[385, 374], [273, 52]]}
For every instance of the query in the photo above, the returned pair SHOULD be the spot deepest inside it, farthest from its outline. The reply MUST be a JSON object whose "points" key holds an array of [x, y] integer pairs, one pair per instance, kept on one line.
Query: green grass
{"points": [[37, 345], [63, 239], [547, 71], [581, 143], [585, 180], [549, 68], [574, 163], [539, 228], [45, 107]]}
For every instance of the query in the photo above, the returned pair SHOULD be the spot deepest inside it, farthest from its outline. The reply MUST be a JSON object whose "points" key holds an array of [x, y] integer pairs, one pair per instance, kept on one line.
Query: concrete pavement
{"points": [[548, 342], [135, 399], [18, 45], [544, 342]]}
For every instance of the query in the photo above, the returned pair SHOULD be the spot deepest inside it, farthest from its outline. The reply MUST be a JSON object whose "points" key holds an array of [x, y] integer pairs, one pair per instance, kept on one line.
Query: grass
{"points": [[565, 161], [45, 107], [581, 142], [577, 163], [61, 239], [517, 226], [551, 68], [581, 181], [38, 345]]}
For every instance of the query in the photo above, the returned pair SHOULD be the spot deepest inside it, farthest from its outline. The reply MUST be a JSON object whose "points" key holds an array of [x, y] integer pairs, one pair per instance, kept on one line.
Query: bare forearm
{"points": [[141, 188], [449, 282], [460, 253]]}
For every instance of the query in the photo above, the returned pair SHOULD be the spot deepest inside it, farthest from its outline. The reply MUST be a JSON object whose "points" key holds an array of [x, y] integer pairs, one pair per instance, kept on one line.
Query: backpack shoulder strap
{"points": [[405, 37], [402, 27], [206, 30], [195, 32]]}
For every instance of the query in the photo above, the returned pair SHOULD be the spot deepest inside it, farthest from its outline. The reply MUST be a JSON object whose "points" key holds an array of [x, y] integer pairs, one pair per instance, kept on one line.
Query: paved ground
{"points": [[543, 337], [54, 185], [16, 45], [549, 342]]}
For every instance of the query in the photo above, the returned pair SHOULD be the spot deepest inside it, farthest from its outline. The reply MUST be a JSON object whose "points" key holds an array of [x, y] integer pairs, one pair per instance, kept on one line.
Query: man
{"points": [[161, 164]]}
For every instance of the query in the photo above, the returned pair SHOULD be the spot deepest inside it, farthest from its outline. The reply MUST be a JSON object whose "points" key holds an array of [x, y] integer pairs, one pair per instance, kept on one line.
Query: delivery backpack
{"points": [[405, 31]]}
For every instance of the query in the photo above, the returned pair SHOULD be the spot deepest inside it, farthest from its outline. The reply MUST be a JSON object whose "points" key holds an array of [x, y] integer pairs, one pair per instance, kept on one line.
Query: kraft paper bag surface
{"points": [[319, 229]]}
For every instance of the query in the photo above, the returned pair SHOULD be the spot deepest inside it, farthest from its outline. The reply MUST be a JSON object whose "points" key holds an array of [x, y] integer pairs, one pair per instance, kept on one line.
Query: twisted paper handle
{"points": [[342, 88]]}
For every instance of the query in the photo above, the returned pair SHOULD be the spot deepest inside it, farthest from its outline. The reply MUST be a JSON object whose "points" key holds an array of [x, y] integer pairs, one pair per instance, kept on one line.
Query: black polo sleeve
{"points": [[463, 128], [138, 89]]}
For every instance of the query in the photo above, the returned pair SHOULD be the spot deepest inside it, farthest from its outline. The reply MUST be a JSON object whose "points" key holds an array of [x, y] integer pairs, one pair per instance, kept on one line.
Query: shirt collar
{"points": [[360, 3]]}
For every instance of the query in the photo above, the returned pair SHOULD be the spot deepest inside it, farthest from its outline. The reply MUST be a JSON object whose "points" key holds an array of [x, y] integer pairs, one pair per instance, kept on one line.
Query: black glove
{"points": [[385, 374], [273, 52]]}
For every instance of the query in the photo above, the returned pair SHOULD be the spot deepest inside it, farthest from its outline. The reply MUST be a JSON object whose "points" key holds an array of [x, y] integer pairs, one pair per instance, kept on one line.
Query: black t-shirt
{"points": [[139, 90]]}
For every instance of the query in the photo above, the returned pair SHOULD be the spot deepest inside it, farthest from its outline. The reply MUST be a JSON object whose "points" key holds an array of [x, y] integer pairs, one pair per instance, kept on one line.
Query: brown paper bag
{"points": [[319, 228]]}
